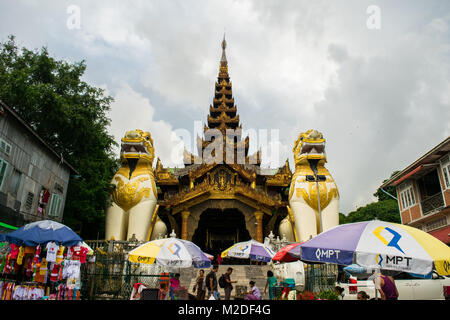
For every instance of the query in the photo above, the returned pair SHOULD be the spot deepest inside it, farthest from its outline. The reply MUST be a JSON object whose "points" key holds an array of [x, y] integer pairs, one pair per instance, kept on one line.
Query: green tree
{"points": [[391, 190], [386, 208], [70, 115]]}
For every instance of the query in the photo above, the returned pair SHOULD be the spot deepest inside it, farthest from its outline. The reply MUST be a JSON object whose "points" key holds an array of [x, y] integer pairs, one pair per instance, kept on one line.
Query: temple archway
{"points": [[219, 229]]}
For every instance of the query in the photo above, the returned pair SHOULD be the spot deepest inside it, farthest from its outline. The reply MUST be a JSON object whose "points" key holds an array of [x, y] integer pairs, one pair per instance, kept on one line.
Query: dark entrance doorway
{"points": [[218, 230]]}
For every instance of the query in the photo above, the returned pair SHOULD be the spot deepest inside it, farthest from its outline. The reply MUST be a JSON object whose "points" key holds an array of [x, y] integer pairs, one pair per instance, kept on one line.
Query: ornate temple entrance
{"points": [[217, 201], [219, 229]]}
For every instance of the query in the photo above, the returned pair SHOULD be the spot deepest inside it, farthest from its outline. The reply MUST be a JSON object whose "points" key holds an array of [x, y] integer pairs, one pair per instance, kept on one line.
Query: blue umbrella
{"points": [[42, 232]]}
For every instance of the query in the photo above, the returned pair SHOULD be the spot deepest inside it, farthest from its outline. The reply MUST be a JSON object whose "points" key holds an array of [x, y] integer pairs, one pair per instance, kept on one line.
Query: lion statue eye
{"points": [[301, 138]]}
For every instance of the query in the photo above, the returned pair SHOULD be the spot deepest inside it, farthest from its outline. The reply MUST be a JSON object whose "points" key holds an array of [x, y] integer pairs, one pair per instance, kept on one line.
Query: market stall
{"points": [[170, 253], [41, 261]]}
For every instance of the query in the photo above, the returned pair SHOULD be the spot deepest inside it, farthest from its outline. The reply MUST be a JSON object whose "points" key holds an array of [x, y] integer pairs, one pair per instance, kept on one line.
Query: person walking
{"points": [[254, 293], [200, 285], [271, 282], [386, 287], [211, 283], [228, 283]]}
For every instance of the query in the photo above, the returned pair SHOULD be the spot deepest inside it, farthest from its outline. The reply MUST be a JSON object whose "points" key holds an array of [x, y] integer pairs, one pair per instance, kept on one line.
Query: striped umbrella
{"points": [[289, 253], [251, 249], [379, 245], [170, 252]]}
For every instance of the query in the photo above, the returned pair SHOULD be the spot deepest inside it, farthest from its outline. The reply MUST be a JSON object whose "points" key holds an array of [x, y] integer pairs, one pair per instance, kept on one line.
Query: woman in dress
{"points": [[271, 283]]}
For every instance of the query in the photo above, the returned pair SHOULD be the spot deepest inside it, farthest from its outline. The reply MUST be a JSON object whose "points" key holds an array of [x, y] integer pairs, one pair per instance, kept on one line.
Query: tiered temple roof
{"points": [[223, 117]]}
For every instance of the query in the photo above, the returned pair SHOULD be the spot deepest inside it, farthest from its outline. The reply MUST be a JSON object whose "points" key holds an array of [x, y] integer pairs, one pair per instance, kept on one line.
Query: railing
{"points": [[111, 276], [320, 277], [432, 203]]}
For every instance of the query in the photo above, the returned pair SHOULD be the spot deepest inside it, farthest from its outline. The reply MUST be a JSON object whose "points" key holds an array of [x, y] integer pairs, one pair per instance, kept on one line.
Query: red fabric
{"points": [[45, 196], [136, 285], [442, 234], [14, 251], [353, 288], [55, 273], [79, 253], [446, 291], [284, 256]]}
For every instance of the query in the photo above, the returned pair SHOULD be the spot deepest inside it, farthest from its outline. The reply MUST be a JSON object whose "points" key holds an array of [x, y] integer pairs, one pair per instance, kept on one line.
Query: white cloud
{"points": [[380, 97], [130, 111]]}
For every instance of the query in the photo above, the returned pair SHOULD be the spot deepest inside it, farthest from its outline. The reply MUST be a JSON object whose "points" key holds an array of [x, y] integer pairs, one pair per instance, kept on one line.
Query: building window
{"points": [[407, 195], [29, 201], [15, 182], [5, 147], [55, 205], [445, 162], [3, 168]]}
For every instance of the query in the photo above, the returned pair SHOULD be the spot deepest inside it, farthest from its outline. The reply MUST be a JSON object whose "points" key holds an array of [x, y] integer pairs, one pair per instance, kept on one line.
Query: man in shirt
{"points": [[211, 282], [228, 283]]}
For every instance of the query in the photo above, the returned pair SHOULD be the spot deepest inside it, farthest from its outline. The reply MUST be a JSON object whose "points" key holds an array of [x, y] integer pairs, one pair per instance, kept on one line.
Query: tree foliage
{"points": [[70, 115], [385, 210]]}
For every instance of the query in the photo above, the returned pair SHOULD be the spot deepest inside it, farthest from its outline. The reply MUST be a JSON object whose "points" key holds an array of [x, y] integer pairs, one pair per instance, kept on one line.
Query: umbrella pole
{"points": [[376, 282]]}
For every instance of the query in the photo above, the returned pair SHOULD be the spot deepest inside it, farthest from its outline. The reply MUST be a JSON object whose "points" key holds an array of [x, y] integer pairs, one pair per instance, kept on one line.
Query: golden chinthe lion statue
{"points": [[134, 210], [304, 221]]}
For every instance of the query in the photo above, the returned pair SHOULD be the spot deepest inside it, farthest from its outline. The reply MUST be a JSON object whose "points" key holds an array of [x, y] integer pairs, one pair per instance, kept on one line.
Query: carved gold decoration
{"points": [[155, 218], [164, 176], [310, 195], [224, 189], [283, 176], [127, 195], [137, 144], [292, 220], [309, 139]]}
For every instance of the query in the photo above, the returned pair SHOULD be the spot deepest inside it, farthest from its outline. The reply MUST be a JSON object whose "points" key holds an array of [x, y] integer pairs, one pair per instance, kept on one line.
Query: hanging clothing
{"points": [[20, 255], [55, 272], [52, 249], [59, 254], [14, 251], [79, 253]]}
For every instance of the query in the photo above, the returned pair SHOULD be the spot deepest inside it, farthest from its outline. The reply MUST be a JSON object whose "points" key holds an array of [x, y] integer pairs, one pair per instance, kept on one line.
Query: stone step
{"points": [[241, 273]]}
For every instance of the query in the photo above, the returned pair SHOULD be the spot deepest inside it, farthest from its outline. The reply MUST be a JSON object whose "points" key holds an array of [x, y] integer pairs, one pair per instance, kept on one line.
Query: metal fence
{"points": [[111, 276]]}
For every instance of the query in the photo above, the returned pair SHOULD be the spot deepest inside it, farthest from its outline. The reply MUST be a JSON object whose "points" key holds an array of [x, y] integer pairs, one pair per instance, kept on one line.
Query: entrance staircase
{"points": [[243, 274]]}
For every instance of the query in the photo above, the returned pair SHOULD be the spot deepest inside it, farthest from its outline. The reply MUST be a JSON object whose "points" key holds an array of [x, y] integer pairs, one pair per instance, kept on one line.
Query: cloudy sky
{"points": [[372, 76]]}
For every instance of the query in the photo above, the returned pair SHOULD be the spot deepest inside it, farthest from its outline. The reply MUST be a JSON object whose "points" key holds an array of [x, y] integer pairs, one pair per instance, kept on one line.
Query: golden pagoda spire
{"points": [[223, 70], [224, 45]]}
